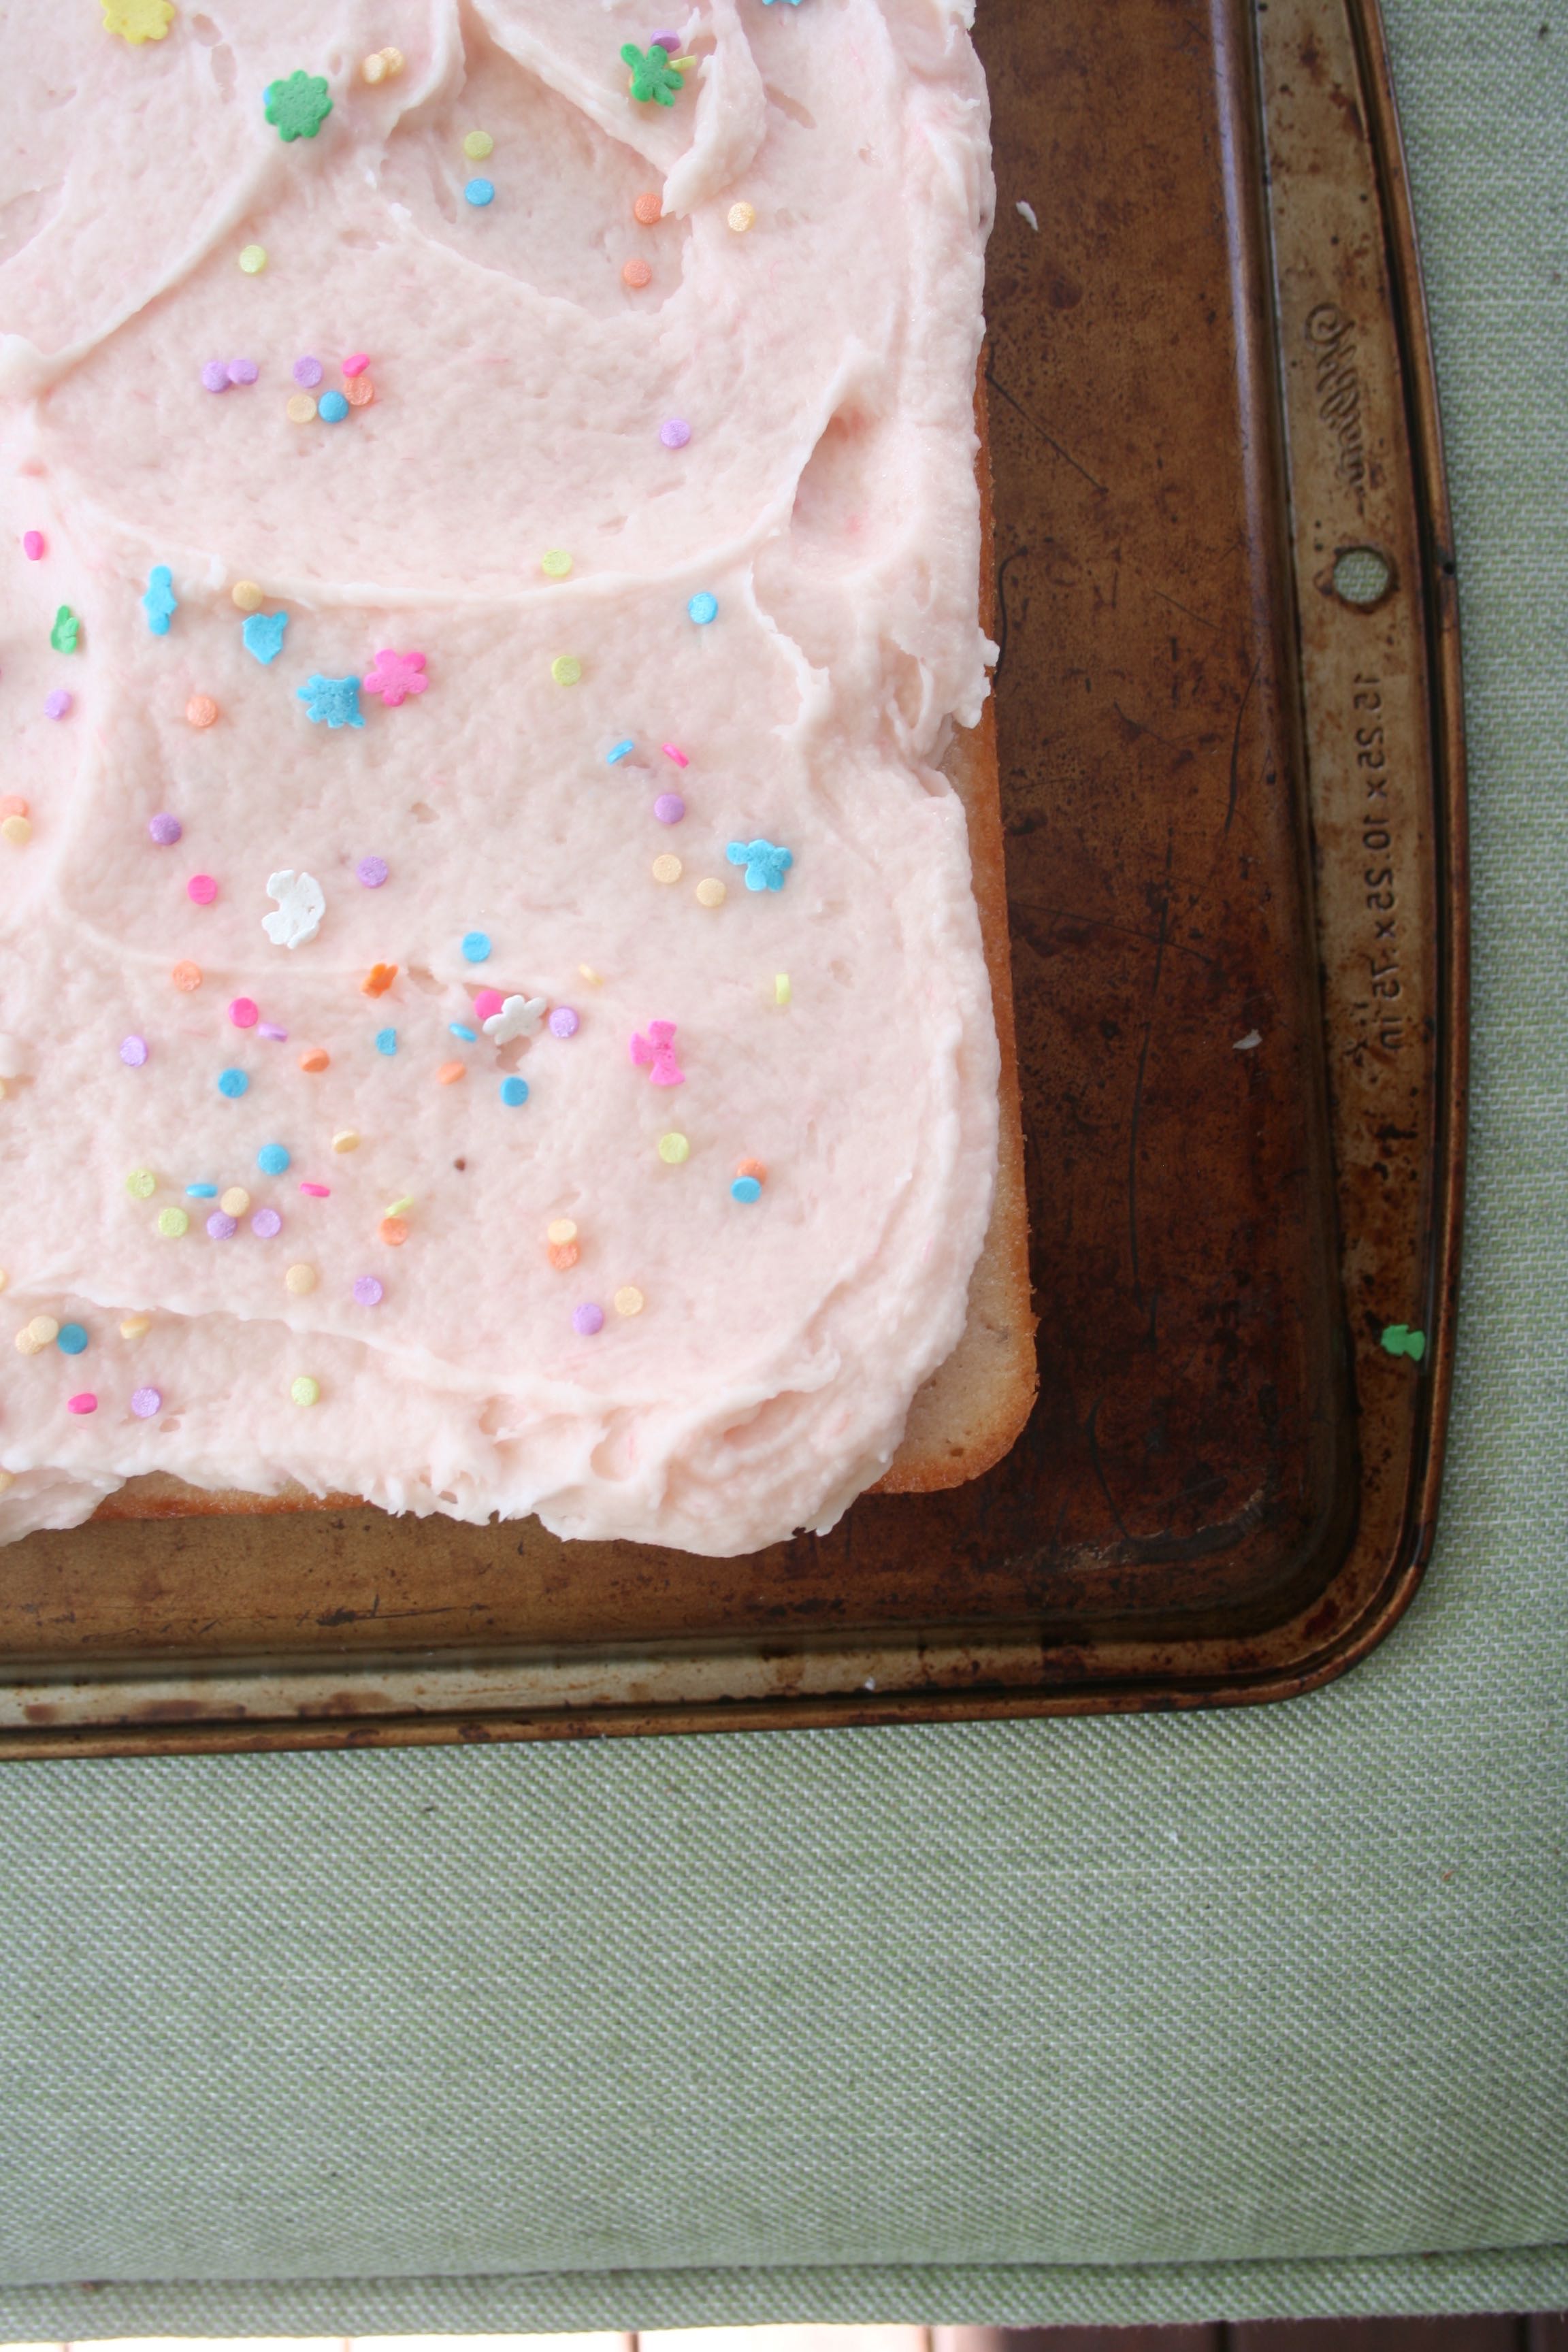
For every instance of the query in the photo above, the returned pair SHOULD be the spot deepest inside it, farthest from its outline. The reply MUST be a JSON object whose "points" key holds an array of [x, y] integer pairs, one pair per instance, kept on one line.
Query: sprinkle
{"points": [[673, 752], [308, 373], [656, 1054], [674, 1150], [653, 80], [587, 1320], [563, 1256], [357, 362], [648, 209], [301, 1280], [186, 977], [243, 371], [142, 1183], [703, 607], [667, 869], [565, 669], [253, 259], [487, 1001], [136, 21], [479, 192], [215, 375], [612, 757], [359, 392], [675, 433], [765, 864], [133, 1052], [384, 66], [221, 1227], [301, 904], [346, 1139], [513, 1091], [386, 1041], [449, 1074], [563, 1022], [43, 1328], [781, 988], [273, 1160], [629, 1300], [594, 979], [333, 699], [247, 595], [477, 145], [299, 408], [710, 891], [372, 872], [635, 271], [159, 603], [71, 1339], [136, 1326], [173, 1222], [669, 808], [741, 217], [242, 1011], [394, 676], [201, 889], [751, 1168], [265, 1223], [316, 1192], [66, 629], [84, 1402], [263, 634], [368, 1292], [297, 107], [233, 1083], [1399, 1339], [461, 1029], [305, 1391], [334, 407], [378, 980], [314, 1060], [201, 1192], [234, 1202], [745, 1188], [201, 710], [58, 704], [32, 545], [560, 1230], [16, 830], [392, 1231], [556, 563], [476, 946], [401, 1207], [25, 1343], [146, 1402]]}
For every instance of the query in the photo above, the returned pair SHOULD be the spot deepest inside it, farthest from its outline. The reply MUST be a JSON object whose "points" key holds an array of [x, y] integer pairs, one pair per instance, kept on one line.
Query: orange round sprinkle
{"points": [[751, 1168], [13, 805], [392, 1231], [359, 392], [563, 1255], [378, 980], [201, 710], [449, 1074], [187, 976], [314, 1057], [647, 208], [635, 271]]}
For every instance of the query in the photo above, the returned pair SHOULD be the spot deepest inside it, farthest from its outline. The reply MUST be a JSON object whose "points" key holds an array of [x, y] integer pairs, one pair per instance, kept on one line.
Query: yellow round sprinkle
{"points": [[628, 1301], [305, 1391], [781, 988], [740, 217], [234, 1202], [372, 68], [172, 1223], [556, 561], [142, 1183], [25, 1343], [477, 145], [347, 1141], [44, 1329], [566, 669], [18, 830], [301, 409], [673, 1150], [253, 259], [7, 1480], [247, 595], [560, 1229], [594, 979], [667, 869], [710, 893], [301, 1280], [136, 1326], [393, 61], [401, 1207]]}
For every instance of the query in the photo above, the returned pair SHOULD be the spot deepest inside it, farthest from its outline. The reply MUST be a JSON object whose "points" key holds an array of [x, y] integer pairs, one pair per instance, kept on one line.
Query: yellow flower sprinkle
{"points": [[628, 1301], [172, 1223], [302, 407], [566, 669], [136, 1326], [247, 595], [710, 893], [348, 1141], [253, 259], [673, 1150], [740, 217], [234, 1202], [560, 1229], [477, 145], [301, 1280], [781, 988], [555, 561], [138, 20], [18, 830], [305, 1391], [667, 869]]}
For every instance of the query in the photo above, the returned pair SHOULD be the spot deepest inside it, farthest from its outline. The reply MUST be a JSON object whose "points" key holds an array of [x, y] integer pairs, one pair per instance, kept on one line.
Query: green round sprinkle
{"points": [[555, 561], [305, 1391], [673, 1150], [565, 669], [253, 259], [173, 1222]]}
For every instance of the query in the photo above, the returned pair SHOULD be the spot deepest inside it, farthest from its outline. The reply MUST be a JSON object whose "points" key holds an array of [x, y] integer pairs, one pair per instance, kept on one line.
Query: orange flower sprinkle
{"points": [[378, 980]]}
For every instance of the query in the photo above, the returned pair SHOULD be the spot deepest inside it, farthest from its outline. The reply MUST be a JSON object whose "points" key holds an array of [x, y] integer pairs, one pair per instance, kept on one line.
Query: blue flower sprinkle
{"points": [[160, 604], [263, 634], [334, 700], [765, 864]]}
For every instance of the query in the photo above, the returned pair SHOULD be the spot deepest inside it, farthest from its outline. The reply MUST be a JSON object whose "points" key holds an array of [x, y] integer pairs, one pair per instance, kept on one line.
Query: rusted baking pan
{"points": [[1229, 715]]}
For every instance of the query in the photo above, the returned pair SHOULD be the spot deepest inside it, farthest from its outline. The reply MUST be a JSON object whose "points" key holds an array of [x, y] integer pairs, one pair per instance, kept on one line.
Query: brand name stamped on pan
{"points": [[1377, 871], [1332, 339]]}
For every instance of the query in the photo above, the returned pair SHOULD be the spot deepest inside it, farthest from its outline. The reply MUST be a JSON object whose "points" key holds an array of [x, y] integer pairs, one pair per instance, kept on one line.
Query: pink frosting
{"points": [[823, 361]]}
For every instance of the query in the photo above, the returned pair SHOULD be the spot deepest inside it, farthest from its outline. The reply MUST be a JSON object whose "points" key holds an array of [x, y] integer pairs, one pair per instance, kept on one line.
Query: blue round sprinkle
{"points": [[703, 608], [333, 406], [272, 1160], [619, 752], [386, 1041], [201, 1192], [232, 1083], [514, 1090], [479, 192], [476, 946], [70, 1338], [745, 1188], [469, 1036]]}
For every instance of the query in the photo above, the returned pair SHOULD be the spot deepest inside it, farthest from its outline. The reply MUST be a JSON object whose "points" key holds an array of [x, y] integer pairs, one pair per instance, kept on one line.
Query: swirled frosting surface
{"points": [[833, 1030]]}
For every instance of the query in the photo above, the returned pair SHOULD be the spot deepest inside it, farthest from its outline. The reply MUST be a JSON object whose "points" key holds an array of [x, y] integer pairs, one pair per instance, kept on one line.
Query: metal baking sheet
{"points": [[1232, 773]]}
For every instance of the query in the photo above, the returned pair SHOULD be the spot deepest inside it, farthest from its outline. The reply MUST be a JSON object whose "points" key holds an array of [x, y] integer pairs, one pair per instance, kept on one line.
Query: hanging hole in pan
{"points": [[1362, 576]]}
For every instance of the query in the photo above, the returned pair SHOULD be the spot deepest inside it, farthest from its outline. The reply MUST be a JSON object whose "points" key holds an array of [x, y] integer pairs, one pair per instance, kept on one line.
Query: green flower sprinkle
{"points": [[298, 108], [63, 635], [654, 79]]}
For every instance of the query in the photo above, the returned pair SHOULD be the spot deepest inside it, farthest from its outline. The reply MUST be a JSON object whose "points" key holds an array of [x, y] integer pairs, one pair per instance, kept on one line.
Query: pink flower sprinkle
{"points": [[244, 1012], [85, 1402], [356, 363], [32, 545], [397, 675], [673, 752], [656, 1054], [201, 889], [318, 1191]]}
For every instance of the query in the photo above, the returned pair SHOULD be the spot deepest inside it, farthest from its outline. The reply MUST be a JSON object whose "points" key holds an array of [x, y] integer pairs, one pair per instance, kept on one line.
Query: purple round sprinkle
{"points": [[367, 1290], [372, 872], [133, 1052], [675, 433], [221, 1227], [270, 1029], [587, 1320], [165, 831], [146, 1402], [265, 1223], [669, 808], [55, 705], [308, 372], [563, 1022], [668, 42], [242, 370], [215, 375]]}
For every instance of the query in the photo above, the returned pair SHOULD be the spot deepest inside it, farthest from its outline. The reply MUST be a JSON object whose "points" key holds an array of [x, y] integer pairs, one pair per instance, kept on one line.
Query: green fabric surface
{"points": [[1249, 2012]]}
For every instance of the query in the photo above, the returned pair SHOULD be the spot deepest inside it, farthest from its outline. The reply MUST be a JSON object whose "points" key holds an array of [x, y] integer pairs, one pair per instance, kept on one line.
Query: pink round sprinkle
{"points": [[146, 1402], [586, 1319], [221, 1227], [165, 831], [32, 545], [202, 889], [669, 808], [563, 1022], [270, 1029], [265, 1223], [675, 433], [356, 363], [58, 704], [133, 1052], [318, 1191], [215, 375], [242, 370], [85, 1402], [488, 1001], [673, 752], [308, 372], [367, 1290], [243, 1013], [372, 872]]}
